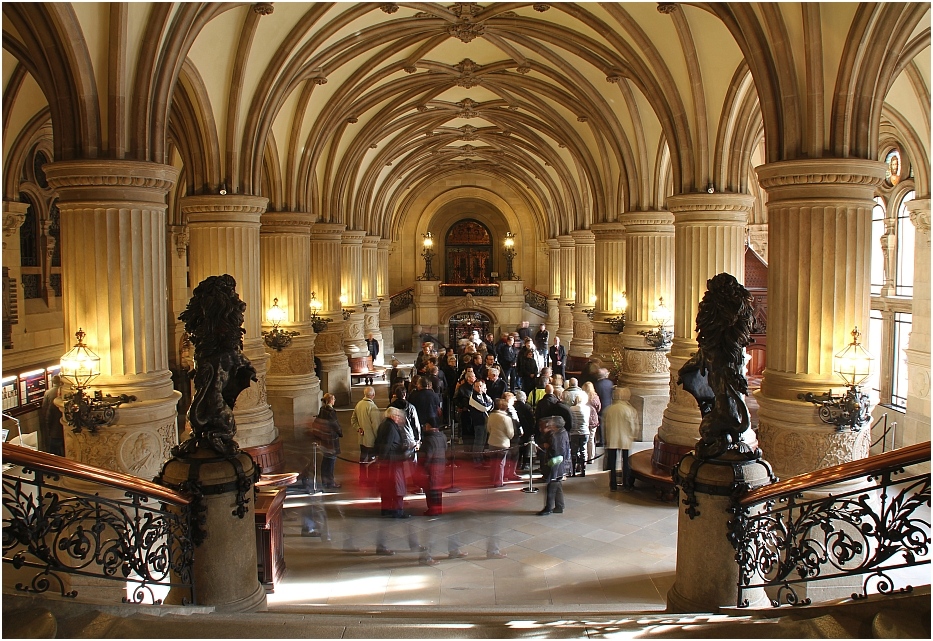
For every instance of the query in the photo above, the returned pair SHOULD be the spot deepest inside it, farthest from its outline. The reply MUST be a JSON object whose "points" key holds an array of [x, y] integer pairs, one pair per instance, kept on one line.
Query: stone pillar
{"points": [[553, 292], [649, 275], [14, 214], [113, 223], [224, 239], [818, 290], [181, 352], [567, 290], [709, 238], [351, 292], [584, 252], [370, 274], [427, 312], [917, 422], [285, 271], [610, 286], [707, 574], [325, 283], [384, 248]]}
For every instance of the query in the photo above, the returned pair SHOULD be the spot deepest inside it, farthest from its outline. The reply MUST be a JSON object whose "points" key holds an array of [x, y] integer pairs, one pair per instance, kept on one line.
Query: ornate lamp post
{"points": [[852, 409], [428, 254], [318, 323], [509, 252]]}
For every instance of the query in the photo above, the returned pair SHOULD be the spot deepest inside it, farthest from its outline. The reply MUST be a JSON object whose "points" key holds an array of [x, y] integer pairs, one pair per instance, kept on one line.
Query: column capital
{"points": [[583, 237], [386, 244], [371, 242], [14, 214], [327, 231], [648, 221], [553, 243], [694, 208], [609, 231], [203, 206], [352, 237], [292, 222], [919, 216], [821, 177], [117, 180], [565, 241]]}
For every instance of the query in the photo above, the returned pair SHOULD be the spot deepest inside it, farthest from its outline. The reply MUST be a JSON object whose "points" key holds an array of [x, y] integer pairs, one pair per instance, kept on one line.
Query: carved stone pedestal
{"points": [[707, 573], [225, 559]]}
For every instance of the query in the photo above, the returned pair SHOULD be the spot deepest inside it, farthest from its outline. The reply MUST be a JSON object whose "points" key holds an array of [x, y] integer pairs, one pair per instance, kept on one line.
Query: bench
{"points": [[362, 369]]}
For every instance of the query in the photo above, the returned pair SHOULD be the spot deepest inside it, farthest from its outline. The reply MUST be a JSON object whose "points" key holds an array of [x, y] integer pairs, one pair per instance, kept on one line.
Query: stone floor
{"points": [[607, 548]]}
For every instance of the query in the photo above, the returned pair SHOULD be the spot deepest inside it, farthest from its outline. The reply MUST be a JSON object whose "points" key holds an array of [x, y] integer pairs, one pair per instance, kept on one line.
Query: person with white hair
{"points": [[392, 447], [579, 429], [620, 424], [365, 420]]}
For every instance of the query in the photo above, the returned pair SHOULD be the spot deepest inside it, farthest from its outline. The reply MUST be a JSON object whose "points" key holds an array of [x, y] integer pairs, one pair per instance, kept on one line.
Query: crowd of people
{"points": [[506, 401]]}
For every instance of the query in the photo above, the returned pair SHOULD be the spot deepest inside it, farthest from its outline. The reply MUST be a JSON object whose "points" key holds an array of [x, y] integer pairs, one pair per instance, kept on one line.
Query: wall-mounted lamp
{"points": [[80, 366], [619, 304], [852, 409], [660, 337], [318, 322], [509, 251], [346, 312], [277, 339], [428, 254]]}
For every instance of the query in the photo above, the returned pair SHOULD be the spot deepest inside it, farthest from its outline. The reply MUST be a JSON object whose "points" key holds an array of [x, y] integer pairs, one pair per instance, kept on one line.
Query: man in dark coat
{"points": [[506, 357], [495, 386], [479, 406], [557, 463], [556, 357], [603, 386], [372, 345], [426, 403], [550, 405], [433, 458], [392, 452], [51, 436], [541, 338]]}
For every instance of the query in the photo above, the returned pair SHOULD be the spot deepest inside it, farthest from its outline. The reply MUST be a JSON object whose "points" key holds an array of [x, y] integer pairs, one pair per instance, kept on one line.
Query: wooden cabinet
{"points": [[270, 539]]}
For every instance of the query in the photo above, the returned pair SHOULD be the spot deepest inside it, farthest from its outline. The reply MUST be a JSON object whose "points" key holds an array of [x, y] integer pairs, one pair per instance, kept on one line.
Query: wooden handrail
{"points": [[837, 473], [50, 463]]}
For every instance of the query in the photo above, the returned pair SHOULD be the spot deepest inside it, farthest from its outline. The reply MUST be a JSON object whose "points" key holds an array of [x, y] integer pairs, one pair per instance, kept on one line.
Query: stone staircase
{"points": [[898, 616]]}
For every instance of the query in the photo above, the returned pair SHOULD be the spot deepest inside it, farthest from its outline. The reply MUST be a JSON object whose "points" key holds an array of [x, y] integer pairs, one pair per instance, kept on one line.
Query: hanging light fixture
{"points": [[852, 409], [278, 339], [79, 366]]}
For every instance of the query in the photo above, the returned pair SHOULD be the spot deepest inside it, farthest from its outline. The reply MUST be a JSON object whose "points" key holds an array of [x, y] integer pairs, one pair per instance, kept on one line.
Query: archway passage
{"points": [[468, 247], [461, 326]]}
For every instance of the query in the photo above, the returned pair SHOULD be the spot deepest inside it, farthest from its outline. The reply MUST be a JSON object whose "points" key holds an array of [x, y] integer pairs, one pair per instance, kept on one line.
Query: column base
{"points": [[796, 442], [295, 400]]}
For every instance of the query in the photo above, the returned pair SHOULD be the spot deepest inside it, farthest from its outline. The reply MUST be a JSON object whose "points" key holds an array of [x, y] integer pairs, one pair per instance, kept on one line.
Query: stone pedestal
{"points": [[820, 249], [426, 304], [512, 299], [294, 389], [707, 573], [225, 568]]}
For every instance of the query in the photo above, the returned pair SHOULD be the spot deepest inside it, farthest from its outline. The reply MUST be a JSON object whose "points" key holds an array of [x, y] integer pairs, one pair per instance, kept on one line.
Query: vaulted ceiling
{"points": [[584, 111]]}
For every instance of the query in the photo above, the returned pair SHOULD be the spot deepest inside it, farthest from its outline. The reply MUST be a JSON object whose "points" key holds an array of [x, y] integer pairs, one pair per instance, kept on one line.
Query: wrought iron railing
{"points": [[402, 300], [784, 541], [59, 528], [536, 300], [885, 430]]}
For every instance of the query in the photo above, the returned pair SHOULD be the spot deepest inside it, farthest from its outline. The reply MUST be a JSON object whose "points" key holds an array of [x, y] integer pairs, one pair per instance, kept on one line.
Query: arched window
{"points": [[468, 247]]}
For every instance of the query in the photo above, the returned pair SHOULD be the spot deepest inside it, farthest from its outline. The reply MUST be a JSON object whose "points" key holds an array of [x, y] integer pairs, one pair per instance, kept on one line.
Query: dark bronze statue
{"points": [[713, 375], [213, 320]]}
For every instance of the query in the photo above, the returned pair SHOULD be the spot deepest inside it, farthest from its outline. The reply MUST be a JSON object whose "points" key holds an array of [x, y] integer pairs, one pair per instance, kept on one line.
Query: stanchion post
{"points": [[315, 489], [531, 489], [453, 489]]}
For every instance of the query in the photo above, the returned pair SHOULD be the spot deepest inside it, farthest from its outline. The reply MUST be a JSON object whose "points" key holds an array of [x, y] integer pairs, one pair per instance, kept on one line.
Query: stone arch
{"points": [[193, 131]]}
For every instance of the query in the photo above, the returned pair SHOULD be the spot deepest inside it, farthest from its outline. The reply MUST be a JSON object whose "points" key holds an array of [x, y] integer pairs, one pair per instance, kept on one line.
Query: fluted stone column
{"points": [[649, 275], [285, 271], [326, 282], [553, 293], [181, 354], [709, 239], [351, 288], [383, 294], [584, 253], [14, 214], [370, 274], [818, 290], [113, 222], [224, 239], [567, 290], [610, 285], [917, 422]]}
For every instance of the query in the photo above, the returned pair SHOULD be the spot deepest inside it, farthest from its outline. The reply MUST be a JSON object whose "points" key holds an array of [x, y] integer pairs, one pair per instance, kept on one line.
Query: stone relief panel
{"points": [[291, 361], [638, 361], [253, 396], [354, 329], [99, 450], [796, 451], [371, 322], [140, 453], [329, 343]]}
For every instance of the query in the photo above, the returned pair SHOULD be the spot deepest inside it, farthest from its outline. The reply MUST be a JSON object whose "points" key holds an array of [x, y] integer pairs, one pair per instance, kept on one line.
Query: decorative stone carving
{"points": [[12, 221], [180, 239], [290, 362], [803, 451], [141, 453], [467, 69], [637, 361]]}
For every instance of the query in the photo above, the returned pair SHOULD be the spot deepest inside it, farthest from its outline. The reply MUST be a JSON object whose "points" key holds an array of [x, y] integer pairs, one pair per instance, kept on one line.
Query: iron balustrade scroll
{"points": [[402, 300], [536, 300], [783, 541], [142, 541]]}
